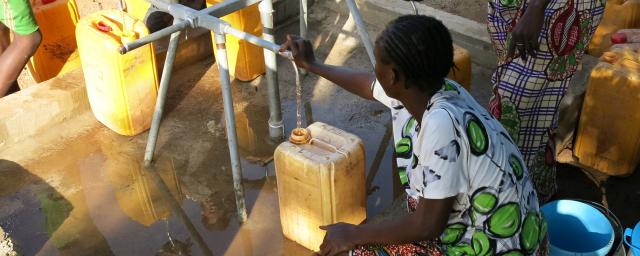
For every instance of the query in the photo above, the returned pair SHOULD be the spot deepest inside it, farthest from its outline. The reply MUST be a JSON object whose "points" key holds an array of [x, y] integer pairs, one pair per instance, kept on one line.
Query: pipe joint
{"points": [[276, 129]]}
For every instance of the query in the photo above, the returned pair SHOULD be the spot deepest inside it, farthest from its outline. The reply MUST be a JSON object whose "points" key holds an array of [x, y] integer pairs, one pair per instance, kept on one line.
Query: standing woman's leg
{"points": [[5, 40], [18, 17], [527, 93]]}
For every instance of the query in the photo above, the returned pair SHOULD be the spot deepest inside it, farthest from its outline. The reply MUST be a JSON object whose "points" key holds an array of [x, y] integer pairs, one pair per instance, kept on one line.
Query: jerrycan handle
{"points": [[327, 144], [106, 25], [627, 238]]}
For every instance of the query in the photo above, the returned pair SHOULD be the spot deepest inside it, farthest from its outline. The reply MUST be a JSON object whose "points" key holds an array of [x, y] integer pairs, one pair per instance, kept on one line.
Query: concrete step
{"points": [[37, 109]]}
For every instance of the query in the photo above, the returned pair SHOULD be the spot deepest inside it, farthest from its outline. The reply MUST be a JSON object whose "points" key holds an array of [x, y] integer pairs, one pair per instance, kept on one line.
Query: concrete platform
{"points": [[40, 108], [90, 181]]}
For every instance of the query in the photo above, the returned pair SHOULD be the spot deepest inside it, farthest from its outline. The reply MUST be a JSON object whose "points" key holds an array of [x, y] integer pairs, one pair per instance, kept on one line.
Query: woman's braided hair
{"points": [[420, 47]]}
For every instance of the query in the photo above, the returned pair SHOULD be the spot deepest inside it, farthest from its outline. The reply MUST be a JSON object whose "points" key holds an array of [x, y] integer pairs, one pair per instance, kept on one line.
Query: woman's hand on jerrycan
{"points": [[301, 49]]}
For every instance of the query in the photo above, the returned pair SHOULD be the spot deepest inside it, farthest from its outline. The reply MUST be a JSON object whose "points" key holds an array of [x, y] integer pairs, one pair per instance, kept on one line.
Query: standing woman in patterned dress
{"points": [[539, 44]]}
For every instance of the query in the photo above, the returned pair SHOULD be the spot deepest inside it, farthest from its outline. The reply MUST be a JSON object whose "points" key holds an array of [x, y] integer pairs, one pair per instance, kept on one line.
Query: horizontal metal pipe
{"points": [[154, 37], [228, 6], [257, 41], [217, 10], [209, 22]]}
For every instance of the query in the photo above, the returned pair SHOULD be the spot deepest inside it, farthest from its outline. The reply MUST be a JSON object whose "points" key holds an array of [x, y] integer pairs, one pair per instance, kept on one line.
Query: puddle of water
{"points": [[94, 197]]}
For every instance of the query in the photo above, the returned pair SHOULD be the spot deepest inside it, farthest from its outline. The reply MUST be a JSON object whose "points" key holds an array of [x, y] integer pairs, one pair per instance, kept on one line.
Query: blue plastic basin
{"points": [[632, 239], [576, 228]]}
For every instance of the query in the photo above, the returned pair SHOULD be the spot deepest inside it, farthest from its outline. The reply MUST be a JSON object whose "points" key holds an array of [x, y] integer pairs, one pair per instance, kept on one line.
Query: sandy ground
{"points": [[471, 9], [7, 247]]}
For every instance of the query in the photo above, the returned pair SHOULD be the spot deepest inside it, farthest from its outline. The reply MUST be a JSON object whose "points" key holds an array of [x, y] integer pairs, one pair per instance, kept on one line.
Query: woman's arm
{"points": [[525, 34], [356, 82], [427, 222]]}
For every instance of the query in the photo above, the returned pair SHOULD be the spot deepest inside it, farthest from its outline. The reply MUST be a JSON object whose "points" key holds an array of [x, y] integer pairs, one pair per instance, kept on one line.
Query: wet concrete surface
{"points": [[88, 194]]}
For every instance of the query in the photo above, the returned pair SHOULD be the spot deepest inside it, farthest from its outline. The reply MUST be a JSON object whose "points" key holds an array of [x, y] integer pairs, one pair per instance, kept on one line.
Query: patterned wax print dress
{"points": [[526, 94]]}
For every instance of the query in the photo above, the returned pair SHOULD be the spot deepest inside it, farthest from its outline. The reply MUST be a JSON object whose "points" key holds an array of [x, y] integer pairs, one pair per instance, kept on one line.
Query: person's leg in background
{"points": [[5, 40], [14, 58], [17, 17]]}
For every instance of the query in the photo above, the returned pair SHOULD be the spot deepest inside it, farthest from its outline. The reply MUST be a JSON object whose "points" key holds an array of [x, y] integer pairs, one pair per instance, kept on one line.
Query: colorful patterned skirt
{"points": [[417, 248], [526, 94]]}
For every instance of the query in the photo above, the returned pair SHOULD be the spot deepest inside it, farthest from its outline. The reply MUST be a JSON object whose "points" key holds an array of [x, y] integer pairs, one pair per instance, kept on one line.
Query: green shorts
{"points": [[18, 16]]}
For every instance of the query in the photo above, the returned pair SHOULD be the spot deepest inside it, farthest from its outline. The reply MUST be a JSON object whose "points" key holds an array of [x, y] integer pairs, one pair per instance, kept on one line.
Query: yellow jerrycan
{"points": [[608, 136], [57, 53], [137, 8], [320, 181], [618, 14], [246, 61], [122, 89], [462, 72]]}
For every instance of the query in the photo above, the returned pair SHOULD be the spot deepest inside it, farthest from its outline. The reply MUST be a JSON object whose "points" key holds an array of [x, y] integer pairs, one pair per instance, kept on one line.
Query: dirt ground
{"points": [[471, 9]]}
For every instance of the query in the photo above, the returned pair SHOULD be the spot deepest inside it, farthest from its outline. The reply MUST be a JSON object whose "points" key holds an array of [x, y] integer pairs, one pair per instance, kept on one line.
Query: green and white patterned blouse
{"points": [[461, 151]]}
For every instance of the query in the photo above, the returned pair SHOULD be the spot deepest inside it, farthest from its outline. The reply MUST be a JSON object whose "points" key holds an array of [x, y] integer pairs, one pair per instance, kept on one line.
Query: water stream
{"points": [[298, 96]]}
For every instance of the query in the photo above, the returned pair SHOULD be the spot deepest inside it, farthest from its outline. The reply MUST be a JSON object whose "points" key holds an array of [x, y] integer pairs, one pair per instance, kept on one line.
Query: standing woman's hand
{"points": [[526, 32]]}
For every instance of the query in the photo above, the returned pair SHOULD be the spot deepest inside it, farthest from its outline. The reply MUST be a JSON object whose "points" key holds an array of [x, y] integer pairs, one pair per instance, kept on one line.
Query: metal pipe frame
{"points": [[162, 94], [229, 115], [303, 25], [362, 30], [303, 18], [185, 17]]}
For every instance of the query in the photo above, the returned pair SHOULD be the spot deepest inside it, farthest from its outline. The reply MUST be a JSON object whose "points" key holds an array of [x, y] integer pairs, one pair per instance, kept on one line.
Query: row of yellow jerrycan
{"points": [[122, 89], [57, 52], [119, 99], [608, 136], [618, 14], [246, 61]]}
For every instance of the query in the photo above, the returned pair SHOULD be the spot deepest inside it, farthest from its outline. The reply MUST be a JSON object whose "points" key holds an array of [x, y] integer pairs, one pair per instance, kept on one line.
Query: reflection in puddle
{"points": [[137, 194], [176, 247], [253, 133], [95, 198]]}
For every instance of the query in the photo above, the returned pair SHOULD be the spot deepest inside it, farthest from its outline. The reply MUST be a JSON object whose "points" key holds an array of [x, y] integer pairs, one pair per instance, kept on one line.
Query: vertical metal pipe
{"points": [[415, 9], [303, 18], [303, 25], [362, 30], [276, 125], [164, 87], [230, 118]]}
